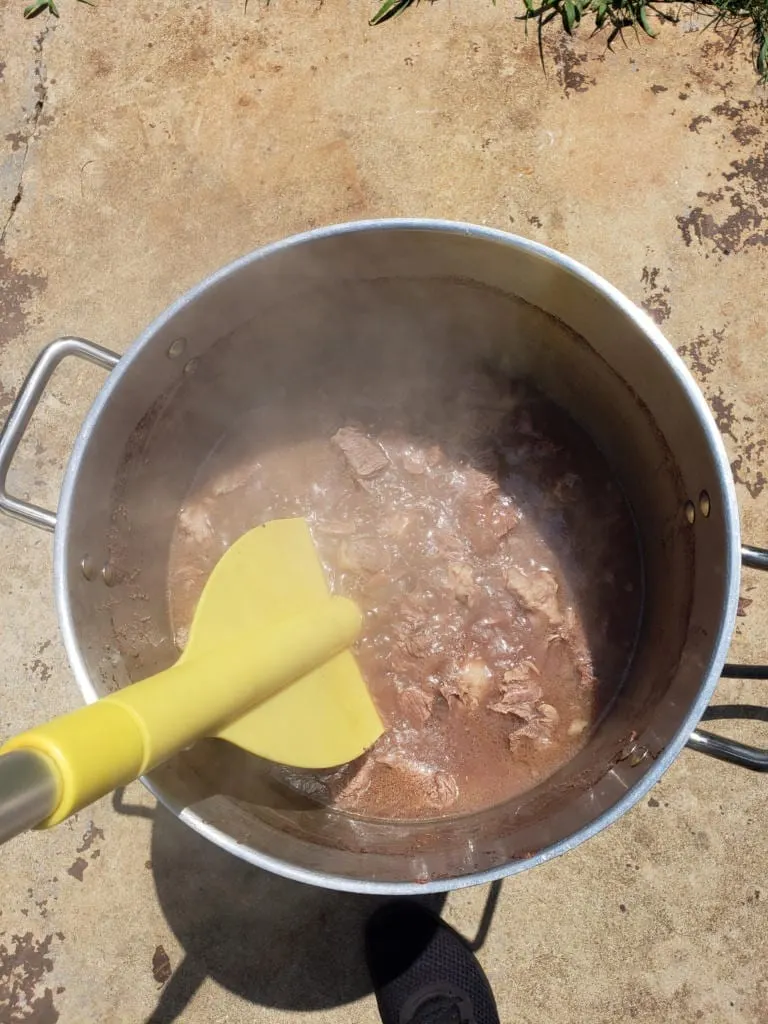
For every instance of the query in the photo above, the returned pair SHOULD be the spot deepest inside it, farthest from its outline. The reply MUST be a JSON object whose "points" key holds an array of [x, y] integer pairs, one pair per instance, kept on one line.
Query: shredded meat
{"points": [[482, 536]]}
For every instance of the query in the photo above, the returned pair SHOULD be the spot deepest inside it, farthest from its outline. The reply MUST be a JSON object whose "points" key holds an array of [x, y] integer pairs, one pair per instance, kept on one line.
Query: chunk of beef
{"points": [[414, 461], [520, 690], [362, 555], [469, 684], [461, 582], [538, 728], [421, 643], [568, 650], [441, 790], [365, 457], [503, 517], [475, 484], [396, 524], [416, 704], [525, 710], [537, 592]]}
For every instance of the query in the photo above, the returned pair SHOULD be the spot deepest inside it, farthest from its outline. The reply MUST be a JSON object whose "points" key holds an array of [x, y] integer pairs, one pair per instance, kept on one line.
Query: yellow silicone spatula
{"points": [[267, 667]]}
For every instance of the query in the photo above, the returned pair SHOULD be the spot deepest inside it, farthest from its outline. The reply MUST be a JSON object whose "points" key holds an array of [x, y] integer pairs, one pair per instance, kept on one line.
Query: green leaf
{"points": [[569, 16], [38, 6], [642, 16], [762, 56], [389, 9]]}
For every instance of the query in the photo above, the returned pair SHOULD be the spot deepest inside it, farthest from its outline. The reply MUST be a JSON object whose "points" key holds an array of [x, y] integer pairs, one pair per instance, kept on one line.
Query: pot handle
{"points": [[21, 413], [720, 746]]}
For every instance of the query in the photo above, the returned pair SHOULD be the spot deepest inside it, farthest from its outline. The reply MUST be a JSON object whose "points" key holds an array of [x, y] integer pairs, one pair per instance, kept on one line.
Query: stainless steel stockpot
{"points": [[283, 320]]}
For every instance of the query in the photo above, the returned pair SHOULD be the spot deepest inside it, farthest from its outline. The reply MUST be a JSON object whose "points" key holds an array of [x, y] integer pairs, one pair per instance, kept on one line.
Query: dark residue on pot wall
{"points": [[24, 964]]}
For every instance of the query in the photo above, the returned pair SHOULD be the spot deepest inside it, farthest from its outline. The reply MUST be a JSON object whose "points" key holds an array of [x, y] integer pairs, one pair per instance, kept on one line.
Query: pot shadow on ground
{"points": [[272, 941], [740, 713]]}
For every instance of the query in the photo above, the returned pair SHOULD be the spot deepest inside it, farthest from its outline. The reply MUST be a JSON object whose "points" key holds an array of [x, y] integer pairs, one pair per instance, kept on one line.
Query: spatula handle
{"points": [[107, 744]]}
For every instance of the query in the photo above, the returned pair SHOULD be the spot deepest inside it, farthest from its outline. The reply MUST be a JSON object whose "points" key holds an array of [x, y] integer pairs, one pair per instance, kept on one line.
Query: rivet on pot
{"points": [[109, 575], [191, 366], [690, 512], [87, 567], [705, 505], [177, 348]]}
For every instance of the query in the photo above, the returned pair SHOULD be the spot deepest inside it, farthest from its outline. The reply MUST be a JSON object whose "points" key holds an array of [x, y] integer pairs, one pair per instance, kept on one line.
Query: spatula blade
{"points": [[270, 574]]}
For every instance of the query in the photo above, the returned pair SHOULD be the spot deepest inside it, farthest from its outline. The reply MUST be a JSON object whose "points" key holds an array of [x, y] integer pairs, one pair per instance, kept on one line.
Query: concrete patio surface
{"points": [[144, 145]]}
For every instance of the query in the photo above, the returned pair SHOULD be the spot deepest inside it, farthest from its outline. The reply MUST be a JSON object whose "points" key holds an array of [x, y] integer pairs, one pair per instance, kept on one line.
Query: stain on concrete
{"points": [[2, 70], [656, 302], [16, 139], [659, 88], [734, 216], [748, 119], [91, 834], [42, 906], [698, 122], [747, 467], [24, 964], [703, 355], [570, 65], [38, 667], [734, 420], [77, 870], [18, 288], [161, 966]]}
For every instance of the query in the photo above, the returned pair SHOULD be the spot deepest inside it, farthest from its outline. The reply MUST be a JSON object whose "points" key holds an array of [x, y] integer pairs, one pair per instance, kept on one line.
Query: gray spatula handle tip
{"points": [[28, 792]]}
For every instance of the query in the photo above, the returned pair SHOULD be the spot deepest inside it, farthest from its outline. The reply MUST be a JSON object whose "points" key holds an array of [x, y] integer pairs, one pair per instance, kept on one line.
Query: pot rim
{"points": [[730, 514]]}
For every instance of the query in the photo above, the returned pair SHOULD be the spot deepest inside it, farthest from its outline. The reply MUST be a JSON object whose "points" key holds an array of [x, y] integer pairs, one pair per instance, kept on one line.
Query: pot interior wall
{"points": [[363, 314]]}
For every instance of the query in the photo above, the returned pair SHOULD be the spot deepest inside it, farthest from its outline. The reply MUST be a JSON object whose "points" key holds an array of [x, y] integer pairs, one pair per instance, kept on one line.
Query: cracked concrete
{"points": [[22, 138], [173, 139]]}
